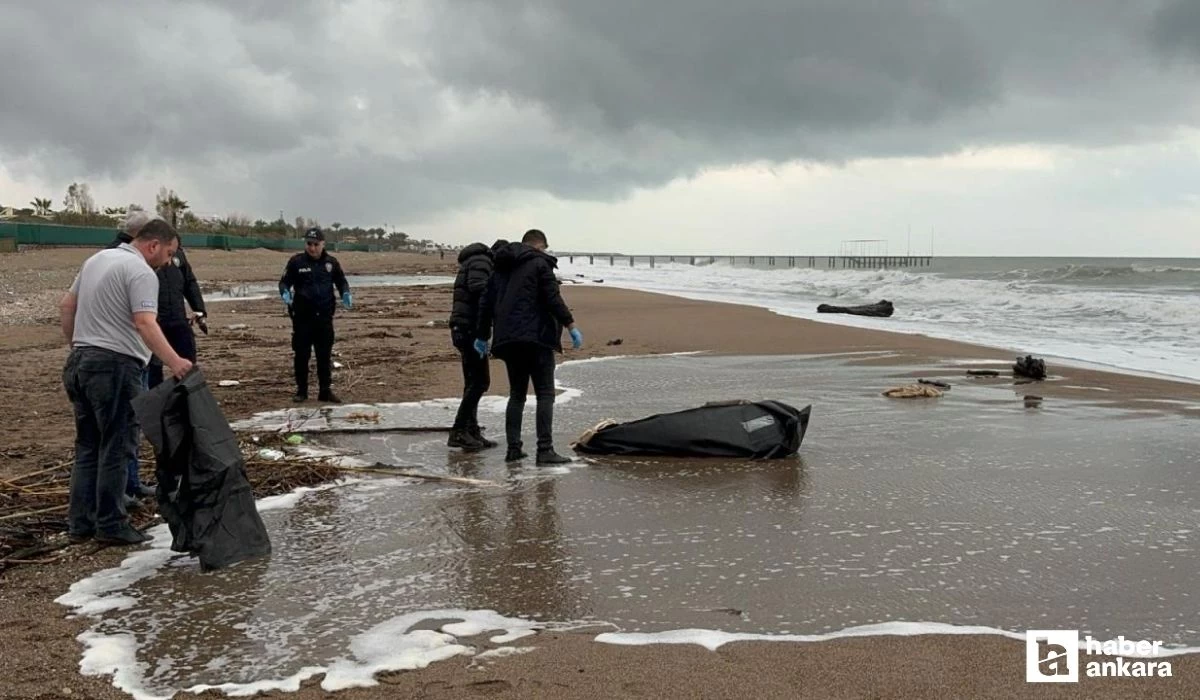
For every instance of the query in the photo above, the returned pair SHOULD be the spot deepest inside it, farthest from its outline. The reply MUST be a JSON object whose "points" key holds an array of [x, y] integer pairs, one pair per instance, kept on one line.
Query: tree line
{"points": [[79, 209]]}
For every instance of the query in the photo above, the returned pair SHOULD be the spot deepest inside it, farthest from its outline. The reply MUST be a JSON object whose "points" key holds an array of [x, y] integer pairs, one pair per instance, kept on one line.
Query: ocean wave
{"points": [[1138, 274], [1153, 328]]}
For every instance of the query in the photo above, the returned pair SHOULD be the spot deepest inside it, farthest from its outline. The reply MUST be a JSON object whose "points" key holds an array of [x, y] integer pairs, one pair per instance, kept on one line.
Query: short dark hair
{"points": [[157, 230], [534, 236]]}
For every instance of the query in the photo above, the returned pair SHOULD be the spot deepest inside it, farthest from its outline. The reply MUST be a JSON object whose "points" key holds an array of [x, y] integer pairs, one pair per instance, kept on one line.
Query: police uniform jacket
{"points": [[312, 282]]}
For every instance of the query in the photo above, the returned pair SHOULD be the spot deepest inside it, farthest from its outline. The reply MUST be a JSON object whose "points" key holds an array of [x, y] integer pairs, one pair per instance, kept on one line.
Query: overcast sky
{"points": [[1021, 127]]}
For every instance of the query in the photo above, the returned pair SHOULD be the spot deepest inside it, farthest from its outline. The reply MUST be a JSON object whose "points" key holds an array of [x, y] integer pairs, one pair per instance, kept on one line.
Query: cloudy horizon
{"points": [[674, 126]]}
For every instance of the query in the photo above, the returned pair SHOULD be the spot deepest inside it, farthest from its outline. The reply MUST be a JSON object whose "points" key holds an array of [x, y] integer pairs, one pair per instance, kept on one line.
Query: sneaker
{"points": [[123, 536], [462, 438], [300, 397], [514, 454], [477, 433], [328, 397], [145, 491], [551, 457], [132, 503], [79, 537]]}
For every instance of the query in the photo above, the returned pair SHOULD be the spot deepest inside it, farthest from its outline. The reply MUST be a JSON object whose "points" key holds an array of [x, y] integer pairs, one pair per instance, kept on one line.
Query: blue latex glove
{"points": [[286, 295], [346, 299], [576, 338], [481, 347]]}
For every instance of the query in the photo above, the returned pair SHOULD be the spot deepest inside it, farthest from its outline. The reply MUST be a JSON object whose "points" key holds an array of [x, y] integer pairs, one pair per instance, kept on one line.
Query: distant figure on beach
{"points": [[523, 314], [109, 319], [307, 289], [474, 272]]}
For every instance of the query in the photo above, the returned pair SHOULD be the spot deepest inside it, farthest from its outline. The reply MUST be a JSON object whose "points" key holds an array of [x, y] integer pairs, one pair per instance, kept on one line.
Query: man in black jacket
{"points": [[528, 313], [474, 272], [176, 284], [307, 290]]}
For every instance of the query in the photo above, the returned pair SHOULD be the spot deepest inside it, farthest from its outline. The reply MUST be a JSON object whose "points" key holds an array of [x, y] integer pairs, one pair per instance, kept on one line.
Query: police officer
{"points": [[307, 289]]}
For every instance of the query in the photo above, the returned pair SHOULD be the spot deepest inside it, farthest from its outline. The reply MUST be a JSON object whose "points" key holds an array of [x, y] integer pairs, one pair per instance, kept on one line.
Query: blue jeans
{"points": [[101, 385], [134, 481]]}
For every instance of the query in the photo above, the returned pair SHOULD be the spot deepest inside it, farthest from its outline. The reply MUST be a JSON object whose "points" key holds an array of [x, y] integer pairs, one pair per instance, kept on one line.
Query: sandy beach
{"points": [[394, 348]]}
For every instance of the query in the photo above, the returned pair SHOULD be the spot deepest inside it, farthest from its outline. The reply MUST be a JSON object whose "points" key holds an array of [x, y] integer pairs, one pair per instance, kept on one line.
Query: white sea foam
{"points": [[715, 639]]}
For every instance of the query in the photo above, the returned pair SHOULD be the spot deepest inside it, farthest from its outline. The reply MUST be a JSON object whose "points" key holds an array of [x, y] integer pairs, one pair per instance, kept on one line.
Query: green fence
{"points": [[96, 237]]}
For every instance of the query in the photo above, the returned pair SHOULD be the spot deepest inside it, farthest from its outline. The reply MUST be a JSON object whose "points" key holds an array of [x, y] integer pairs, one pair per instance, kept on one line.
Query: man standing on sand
{"points": [[474, 272], [176, 283], [109, 319], [528, 313], [307, 288]]}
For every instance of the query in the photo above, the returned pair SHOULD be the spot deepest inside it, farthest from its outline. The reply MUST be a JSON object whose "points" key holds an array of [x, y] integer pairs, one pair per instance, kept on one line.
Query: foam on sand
{"points": [[394, 646], [715, 639]]}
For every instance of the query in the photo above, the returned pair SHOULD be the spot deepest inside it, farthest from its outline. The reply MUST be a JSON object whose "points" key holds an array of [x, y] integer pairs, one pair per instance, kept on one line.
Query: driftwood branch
{"points": [[28, 513]]}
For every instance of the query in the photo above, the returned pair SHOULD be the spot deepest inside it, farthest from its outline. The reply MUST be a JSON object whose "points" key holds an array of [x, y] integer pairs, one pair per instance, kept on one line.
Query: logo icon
{"points": [[1052, 656], [329, 267]]}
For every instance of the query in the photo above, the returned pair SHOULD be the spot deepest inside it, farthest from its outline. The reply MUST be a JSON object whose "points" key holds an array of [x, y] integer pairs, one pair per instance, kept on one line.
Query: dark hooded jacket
{"points": [[523, 303], [203, 492], [176, 284], [474, 271]]}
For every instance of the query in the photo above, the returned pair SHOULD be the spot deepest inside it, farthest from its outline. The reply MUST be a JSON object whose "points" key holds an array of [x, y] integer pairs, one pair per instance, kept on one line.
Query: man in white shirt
{"points": [[109, 319]]}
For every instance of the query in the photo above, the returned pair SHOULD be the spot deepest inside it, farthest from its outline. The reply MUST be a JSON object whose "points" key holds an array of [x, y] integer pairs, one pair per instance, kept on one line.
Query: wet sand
{"points": [[41, 657], [946, 512]]}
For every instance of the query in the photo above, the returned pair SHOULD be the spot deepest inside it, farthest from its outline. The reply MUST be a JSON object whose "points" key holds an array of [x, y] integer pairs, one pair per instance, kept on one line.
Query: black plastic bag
{"points": [[757, 430]]}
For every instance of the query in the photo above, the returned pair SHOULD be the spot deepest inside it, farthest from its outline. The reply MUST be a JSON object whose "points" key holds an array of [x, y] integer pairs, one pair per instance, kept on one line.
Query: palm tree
{"points": [[41, 206], [170, 205]]}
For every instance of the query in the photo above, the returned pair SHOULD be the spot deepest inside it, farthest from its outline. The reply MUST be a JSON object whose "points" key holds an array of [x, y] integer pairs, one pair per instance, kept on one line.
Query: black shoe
{"points": [[133, 503], [551, 457], [145, 491], [79, 537], [514, 454], [477, 433], [462, 438], [328, 397], [125, 535], [300, 397]]}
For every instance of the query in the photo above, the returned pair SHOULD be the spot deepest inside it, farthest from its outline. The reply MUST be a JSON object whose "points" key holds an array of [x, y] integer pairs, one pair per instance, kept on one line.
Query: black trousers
{"points": [[476, 380], [529, 362], [182, 340], [312, 333]]}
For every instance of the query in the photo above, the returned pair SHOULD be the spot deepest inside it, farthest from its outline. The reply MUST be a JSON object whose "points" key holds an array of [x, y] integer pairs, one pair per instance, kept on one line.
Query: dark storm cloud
{"points": [[1176, 27], [363, 110]]}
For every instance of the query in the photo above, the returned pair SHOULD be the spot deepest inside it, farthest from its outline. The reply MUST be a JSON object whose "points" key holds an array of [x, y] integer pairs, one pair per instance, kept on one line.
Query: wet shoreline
{"points": [[933, 527]]}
